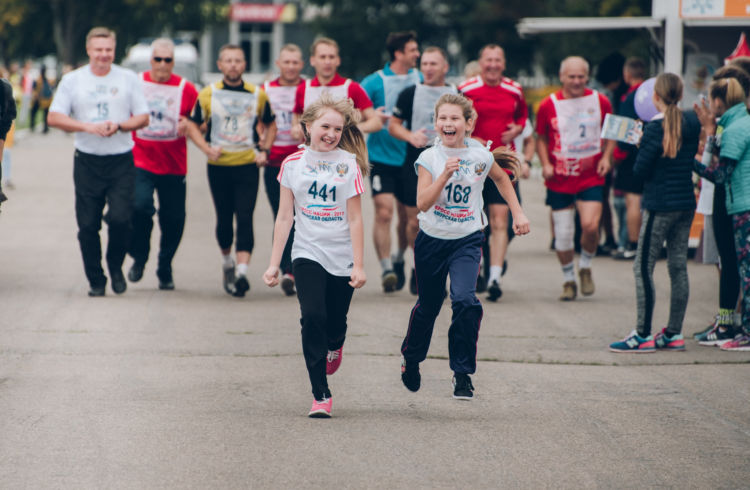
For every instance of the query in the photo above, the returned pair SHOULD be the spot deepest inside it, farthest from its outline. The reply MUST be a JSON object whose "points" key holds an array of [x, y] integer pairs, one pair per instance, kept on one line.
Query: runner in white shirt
{"points": [[449, 197], [321, 187], [102, 103]]}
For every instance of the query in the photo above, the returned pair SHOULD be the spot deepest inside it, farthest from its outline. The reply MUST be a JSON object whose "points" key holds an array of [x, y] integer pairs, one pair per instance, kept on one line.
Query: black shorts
{"points": [[491, 194], [559, 200], [409, 180], [625, 180], [386, 179]]}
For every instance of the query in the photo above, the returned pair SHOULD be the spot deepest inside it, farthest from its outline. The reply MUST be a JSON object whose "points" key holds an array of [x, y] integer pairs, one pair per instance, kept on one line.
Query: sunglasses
{"points": [[159, 59]]}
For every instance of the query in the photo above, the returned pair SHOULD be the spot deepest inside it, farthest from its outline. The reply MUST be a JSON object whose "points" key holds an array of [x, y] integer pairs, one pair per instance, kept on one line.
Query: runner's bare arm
{"points": [[542, 149], [371, 122], [281, 229], [396, 128], [194, 133]]}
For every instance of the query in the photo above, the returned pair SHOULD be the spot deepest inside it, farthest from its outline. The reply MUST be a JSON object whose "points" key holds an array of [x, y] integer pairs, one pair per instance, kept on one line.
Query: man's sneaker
{"points": [[97, 291], [570, 291], [229, 279], [136, 272], [118, 281], [333, 360], [627, 254], [398, 268], [241, 286], [701, 334], [389, 280], [287, 285], [462, 387], [740, 343], [481, 284], [587, 282], [413, 283], [410, 376], [717, 336], [321, 409], [494, 291], [634, 343], [662, 341]]}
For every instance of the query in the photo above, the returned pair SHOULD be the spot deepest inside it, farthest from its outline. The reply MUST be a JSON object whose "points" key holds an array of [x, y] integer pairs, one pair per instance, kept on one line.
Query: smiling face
{"points": [[409, 56], [451, 125], [492, 65], [101, 51], [574, 75], [325, 131]]}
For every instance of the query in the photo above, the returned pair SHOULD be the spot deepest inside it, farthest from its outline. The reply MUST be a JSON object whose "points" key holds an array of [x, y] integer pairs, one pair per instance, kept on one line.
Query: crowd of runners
{"points": [[428, 148]]}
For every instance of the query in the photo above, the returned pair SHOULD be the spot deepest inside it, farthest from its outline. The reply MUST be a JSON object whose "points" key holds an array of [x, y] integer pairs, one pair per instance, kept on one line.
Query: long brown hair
{"points": [[507, 160], [352, 139], [668, 87]]}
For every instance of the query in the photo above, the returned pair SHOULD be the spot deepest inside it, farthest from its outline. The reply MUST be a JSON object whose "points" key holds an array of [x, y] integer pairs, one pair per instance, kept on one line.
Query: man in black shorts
{"points": [[413, 121]]}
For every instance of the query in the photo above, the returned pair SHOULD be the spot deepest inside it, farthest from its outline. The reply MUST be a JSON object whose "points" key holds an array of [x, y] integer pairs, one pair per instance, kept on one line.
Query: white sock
{"points": [[398, 256], [228, 261], [569, 272], [495, 271], [386, 264], [584, 261], [242, 269]]}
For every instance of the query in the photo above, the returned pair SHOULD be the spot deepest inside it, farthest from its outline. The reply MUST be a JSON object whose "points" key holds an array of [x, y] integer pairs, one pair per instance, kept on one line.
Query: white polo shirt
{"points": [[114, 97]]}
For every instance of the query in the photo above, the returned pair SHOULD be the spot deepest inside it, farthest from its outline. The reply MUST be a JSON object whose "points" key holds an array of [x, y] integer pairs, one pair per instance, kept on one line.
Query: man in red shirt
{"points": [[502, 114], [282, 94], [160, 155], [574, 165], [324, 57]]}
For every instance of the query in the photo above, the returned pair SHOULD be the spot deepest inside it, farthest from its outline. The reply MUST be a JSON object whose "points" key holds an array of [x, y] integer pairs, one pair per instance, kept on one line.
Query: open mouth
{"points": [[451, 132]]}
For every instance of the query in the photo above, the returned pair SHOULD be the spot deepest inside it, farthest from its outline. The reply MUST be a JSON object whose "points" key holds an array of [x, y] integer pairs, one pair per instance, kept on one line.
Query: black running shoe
{"points": [[97, 291], [494, 291], [398, 268], [410, 376], [462, 387], [389, 280], [166, 283], [413, 283], [241, 286], [136, 272], [481, 284], [118, 281]]}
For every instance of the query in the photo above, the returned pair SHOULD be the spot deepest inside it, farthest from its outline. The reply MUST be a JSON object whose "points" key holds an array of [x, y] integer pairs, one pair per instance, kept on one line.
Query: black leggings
{"points": [[234, 190], [324, 302], [729, 281]]}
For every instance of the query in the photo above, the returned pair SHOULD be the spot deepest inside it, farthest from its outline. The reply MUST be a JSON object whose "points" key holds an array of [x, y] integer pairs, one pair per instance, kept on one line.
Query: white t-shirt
{"points": [[458, 211], [114, 97], [322, 183]]}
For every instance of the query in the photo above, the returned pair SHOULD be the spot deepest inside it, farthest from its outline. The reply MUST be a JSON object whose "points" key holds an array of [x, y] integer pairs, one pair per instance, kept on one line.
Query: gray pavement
{"points": [[195, 389]]}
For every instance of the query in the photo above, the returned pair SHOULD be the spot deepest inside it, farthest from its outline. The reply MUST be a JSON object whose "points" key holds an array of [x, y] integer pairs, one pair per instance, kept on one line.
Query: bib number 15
{"points": [[457, 193]]}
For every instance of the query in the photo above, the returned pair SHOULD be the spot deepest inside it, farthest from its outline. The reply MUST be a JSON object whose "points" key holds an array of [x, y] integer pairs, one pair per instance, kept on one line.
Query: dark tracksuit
{"points": [[434, 260]]}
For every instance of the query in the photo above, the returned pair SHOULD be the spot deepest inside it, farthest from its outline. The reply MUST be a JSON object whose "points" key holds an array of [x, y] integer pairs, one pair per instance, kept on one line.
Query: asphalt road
{"points": [[193, 388]]}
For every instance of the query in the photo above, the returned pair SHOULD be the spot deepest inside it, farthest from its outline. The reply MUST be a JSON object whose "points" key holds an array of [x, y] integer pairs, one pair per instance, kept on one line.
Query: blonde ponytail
{"points": [[668, 87]]}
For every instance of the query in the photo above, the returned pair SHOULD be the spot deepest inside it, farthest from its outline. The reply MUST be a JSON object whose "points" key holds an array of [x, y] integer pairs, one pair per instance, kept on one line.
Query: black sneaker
{"points": [[118, 281], [481, 284], [228, 279], [462, 387], [136, 272], [410, 376], [165, 280], [97, 291], [494, 291], [413, 283], [398, 268], [241, 286]]}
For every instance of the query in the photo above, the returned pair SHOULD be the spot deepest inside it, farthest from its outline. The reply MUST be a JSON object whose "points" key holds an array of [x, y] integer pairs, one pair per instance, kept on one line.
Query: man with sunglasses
{"points": [[102, 103], [160, 155]]}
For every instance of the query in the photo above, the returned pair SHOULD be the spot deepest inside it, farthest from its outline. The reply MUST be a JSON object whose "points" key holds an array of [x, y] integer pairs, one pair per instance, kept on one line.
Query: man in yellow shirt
{"points": [[232, 113]]}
